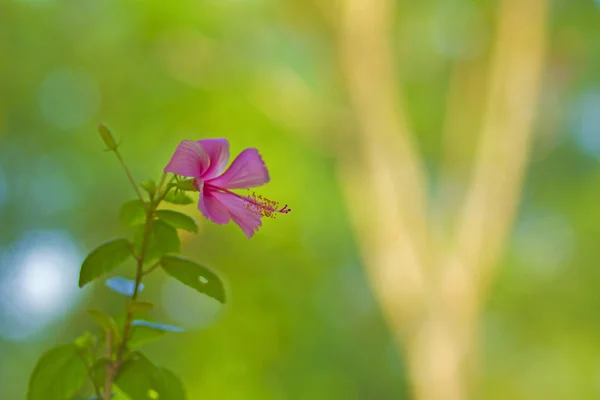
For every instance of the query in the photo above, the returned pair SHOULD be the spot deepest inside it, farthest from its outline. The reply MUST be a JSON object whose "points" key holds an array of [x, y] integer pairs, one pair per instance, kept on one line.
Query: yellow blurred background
{"points": [[440, 159]]}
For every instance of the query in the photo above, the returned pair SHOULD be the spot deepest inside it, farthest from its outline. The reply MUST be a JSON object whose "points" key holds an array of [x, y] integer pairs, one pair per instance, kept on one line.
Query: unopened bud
{"points": [[107, 137]]}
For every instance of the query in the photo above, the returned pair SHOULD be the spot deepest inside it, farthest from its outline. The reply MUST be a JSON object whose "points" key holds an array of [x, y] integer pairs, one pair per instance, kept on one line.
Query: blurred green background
{"points": [[302, 322]]}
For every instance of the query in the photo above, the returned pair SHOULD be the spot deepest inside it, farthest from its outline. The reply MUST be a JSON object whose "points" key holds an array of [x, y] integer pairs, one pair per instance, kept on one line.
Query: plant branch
{"points": [[162, 182], [391, 222], [167, 190], [130, 177], [110, 370], [140, 273], [151, 268], [493, 195], [431, 290], [138, 280]]}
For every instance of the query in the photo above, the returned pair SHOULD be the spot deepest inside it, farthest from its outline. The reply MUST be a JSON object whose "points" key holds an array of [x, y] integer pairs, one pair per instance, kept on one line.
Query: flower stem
{"points": [[151, 268], [138, 279], [140, 273], [109, 367], [130, 176]]}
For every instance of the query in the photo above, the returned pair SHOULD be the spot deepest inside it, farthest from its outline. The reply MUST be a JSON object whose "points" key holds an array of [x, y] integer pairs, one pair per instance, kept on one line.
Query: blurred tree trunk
{"points": [[432, 287]]}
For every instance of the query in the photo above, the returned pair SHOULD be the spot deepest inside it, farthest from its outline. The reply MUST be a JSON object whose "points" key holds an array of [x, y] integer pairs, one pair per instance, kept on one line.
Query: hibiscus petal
{"points": [[218, 153], [220, 207], [248, 170], [212, 208], [248, 221], [189, 159]]}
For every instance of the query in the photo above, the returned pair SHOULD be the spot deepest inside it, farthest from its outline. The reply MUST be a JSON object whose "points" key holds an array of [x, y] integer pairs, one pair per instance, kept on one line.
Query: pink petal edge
{"points": [[189, 159], [248, 170]]}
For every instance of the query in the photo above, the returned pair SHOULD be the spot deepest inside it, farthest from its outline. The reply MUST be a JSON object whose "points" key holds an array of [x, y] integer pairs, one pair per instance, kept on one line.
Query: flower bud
{"points": [[107, 137]]}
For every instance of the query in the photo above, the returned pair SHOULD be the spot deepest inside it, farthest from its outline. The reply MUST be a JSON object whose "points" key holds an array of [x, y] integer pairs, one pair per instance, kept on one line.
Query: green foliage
{"points": [[107, 137], [99, 371], [149, 186], [132, 213], [173, 387], [141, 335], [144, 332], [85, 341], [61, 372], [142, 380], [58, 375], [104, 259], [105, 321], [139, 307], [157, 325], [178, 197], [178, 220], [195, 276], [187, 184], [162, 239]]}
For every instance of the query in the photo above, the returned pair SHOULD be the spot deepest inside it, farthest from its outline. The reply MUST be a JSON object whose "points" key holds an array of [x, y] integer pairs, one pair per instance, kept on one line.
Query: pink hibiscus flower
{"points": [[205, 161]]}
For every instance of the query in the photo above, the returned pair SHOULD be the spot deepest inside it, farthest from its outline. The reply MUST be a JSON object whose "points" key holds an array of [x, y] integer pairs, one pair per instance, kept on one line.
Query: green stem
{"points": [[130, 177], [110, 370], [150, 210], [151, 268], [138, 279]]}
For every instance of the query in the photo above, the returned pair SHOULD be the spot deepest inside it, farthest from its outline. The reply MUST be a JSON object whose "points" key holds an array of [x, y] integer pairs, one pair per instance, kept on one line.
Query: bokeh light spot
{"points": [[69, 98], [587, 123], [38, 283]]}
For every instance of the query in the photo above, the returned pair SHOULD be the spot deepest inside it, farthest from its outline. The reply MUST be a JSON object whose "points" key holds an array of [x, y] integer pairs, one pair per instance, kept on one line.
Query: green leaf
{"points": [[195, 276], [103, 259], [178, 197], [178, 220], [187, 184], [157, 325], [105, 321], [85, 341], [99, 371], [132, 213], [149, 186], [173, 386], [58, 375], [163, 239], [139, 307], [141, 380], [144, 332], [141, 335]]}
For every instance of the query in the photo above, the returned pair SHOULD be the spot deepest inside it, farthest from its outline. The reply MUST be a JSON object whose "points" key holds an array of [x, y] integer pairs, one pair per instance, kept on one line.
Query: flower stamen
{"points": [[264, 207], [257, 204]]}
